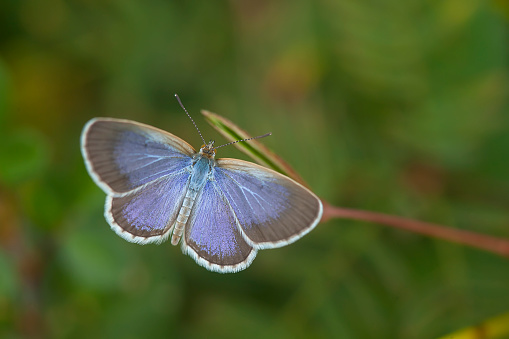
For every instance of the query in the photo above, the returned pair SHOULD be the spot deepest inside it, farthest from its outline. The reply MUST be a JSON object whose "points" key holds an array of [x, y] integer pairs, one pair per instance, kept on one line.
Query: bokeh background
{"points": [[386, 105]]}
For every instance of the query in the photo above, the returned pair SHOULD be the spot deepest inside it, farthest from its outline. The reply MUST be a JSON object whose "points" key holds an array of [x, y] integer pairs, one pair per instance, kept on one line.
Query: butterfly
{"points": [[221, 211]]}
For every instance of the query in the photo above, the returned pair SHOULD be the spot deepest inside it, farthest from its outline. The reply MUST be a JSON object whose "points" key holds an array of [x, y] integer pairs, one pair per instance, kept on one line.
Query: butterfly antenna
{"points": [[234, 142], [185, 110]]}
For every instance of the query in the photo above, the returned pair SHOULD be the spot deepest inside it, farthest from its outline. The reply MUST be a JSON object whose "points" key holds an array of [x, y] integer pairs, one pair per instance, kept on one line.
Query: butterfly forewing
{"points": [[212, 236], [122, 155], [272, 209]]}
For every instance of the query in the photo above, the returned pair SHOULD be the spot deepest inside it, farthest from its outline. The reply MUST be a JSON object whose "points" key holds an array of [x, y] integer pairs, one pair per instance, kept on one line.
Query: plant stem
{"points": [[481, 241]]}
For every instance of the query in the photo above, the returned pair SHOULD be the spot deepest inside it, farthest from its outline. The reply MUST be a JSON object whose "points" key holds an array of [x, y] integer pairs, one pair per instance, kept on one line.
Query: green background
{"points": [[396, 106]]}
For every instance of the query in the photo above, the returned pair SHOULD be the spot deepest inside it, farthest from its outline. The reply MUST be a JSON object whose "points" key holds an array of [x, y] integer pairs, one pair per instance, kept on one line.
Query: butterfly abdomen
{"points": [[183, 216], [197, 181]]}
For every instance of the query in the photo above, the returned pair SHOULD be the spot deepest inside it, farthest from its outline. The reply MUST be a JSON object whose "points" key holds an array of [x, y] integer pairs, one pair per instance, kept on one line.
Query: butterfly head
{"points": [[208, 150]]}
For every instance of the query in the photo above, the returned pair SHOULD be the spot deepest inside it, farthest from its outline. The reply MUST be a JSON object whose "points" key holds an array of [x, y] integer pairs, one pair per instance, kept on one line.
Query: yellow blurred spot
{"points": [[45, 19], [293, 74], [456, 13], [502, 5], [494, 328]]}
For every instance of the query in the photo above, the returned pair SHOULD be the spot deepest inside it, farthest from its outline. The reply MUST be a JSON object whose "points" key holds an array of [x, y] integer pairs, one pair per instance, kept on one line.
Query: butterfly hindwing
{"points": [[272, 209], [147, 214], [212, 236]]}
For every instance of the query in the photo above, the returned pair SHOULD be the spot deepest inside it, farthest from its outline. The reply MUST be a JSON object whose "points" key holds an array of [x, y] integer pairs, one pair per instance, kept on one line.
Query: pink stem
{"points": [[484, 242]]}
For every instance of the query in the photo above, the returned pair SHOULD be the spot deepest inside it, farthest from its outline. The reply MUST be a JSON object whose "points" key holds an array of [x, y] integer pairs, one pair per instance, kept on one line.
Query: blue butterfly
{"points": [[222, 211]]}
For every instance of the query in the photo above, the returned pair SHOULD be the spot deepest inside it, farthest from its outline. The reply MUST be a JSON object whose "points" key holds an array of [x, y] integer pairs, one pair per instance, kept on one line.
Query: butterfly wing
{"points": [[122, 155], [145, 172], [272, 209], [212, 236]]}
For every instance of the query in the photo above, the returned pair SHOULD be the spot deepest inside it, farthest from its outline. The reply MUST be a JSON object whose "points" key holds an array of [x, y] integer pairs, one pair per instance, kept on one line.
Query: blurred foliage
{"points": [[393, 106]]}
